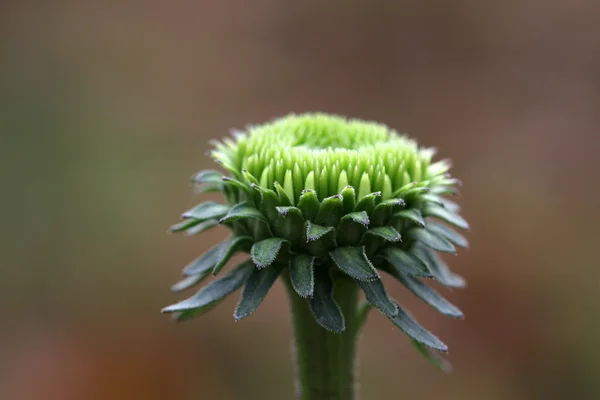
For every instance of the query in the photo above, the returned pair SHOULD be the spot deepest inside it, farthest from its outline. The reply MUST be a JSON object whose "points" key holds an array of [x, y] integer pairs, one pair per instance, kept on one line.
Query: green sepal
{"points": [[218, 254], [319, 239], [302, 274], [331, 211], [315, 232], [309, 204], [445, 215], [242, 211], [256, 288], [432, 357], [206, 210], [265, 252], [326, 311], [430, 296], [238, 243], [442, 190], [405, 263], [439, 269], [284, 199], [383, 211], [354, 262], [388, 233], [431, 240], [268, 203], [289, 224], [367, 203], [360, 217], [189, 281], [250, 179], [411, 214], [184, 225], [376, 295], [201, 227], [207, 176], [411, 327], [448, 233], [214, 292], [348, 199]]}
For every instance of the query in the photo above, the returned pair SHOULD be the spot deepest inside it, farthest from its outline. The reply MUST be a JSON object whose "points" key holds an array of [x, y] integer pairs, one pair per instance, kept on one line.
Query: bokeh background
{"points": [[106, 109]]}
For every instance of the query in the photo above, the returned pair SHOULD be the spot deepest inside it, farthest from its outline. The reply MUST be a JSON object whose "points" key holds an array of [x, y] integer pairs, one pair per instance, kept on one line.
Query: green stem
{"points": [[325, 361]]}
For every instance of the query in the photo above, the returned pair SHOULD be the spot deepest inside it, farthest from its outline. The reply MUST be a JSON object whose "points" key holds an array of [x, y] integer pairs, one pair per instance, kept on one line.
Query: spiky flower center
{"points": [[327, 153]]}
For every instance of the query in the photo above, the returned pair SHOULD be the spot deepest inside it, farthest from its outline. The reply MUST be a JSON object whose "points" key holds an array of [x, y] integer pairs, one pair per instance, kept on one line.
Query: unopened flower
{"points": [[313, 198]]}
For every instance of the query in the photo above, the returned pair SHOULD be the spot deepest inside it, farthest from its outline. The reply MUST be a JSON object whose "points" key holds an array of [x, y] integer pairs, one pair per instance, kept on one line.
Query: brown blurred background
{"points": [[106, 110]]}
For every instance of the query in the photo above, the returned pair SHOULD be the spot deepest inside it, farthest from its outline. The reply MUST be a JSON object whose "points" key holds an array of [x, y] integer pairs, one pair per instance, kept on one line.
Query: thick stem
{"points": [[325, 361]]}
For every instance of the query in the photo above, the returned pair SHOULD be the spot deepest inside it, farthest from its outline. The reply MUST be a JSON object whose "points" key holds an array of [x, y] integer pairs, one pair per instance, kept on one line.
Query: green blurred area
{"points": [[107, 109]]}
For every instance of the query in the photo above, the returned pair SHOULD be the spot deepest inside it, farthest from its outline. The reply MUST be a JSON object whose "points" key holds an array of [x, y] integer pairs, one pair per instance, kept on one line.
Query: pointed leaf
{"points": [[432, 357], [354, 262], [411, 214], [242, 211], [387, 233], [430, 296], [289, 224], [188, 282], [309, 204], [383, 211], [405, 263], [331, 211], [264, 253], [448, 234], [284, 199], [206, 210], [348, 199], [439, 269], [360, 217], [269, 202], [215, 291], [412, 328], [367, 203], [256, 288], [238, 243], [207, 176], [376, 295], [315, 232], [184, 225], [445, 215], [326, 311], [218, 254], [201, 227], [302, 274], [431, 240]]}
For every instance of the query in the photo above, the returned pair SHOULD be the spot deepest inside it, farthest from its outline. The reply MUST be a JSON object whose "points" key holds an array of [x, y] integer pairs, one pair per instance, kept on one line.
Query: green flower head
{"points": [[315, 198]]}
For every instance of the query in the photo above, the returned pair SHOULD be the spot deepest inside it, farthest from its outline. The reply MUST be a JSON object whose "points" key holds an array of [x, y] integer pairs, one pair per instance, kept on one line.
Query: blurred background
{"points": [[106, 109]]}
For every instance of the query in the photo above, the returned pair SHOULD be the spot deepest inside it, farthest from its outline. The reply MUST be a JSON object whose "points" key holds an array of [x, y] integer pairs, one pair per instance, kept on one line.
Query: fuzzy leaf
{"points": [[387, 233], [377, 295], [405, 263], [284, 199], [256, 288], [238, 243], [302, 274], [430, 296], [269, 202], [383, 211], [242, 211], [431, 240], [445, 215], [201, 227], [265, 252], [448, 234], [217, 290], [324, 308], [218, 254], [188, 224], [207, 176], [188, 282], [354, 262], [439, 269], [348, 199], [315, 232], [289, 224], [309, 204], [412, 328], [411, 214], [360, 217], [331, 211], [367, 203], [432, 357], [206, 210]]}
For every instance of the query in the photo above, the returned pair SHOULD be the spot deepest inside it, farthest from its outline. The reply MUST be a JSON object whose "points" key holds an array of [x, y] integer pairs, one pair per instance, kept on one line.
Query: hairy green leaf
{"points": [[289, 224], [326, 311], [215, 291], [367, 203], [184, 225], [269, 202], [188, 282], [206, 210], [315, 232], [354, 262], [284, 199], [201, 227], [432, 357], [264, 253], [207, 176], [448, 234], [309, 204], [388, 233], [445, 215], [376, 294], [360, 217], [383, 211], [302, 274], [411, 214], [411, 327], [256, 288], [238, 243], [439, 269], [431, 240], [430, 296], [242, 211], [405, 263], [218, 254], [331, 211], [349, 199]]}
